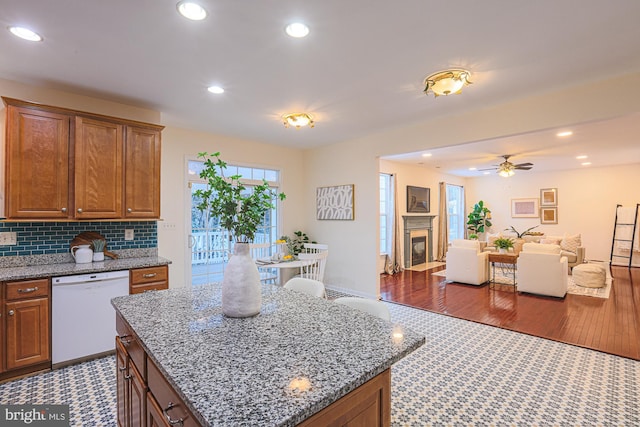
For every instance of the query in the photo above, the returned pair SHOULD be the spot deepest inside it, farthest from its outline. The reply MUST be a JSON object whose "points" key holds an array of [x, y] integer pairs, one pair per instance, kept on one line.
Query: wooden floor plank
{"points": [[610, 325]]}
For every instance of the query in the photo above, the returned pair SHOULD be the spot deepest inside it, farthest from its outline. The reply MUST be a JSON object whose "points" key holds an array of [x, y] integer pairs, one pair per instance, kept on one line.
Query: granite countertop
{"points": [[242, 371], [66, 269]]}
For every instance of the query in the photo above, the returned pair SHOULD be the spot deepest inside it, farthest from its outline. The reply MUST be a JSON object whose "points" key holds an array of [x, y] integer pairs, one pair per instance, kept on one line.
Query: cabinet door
{"points": [[98, 169], [155, 417], [27, 332], [142, 173], [122, 391], [37, 164], [137, 398]]}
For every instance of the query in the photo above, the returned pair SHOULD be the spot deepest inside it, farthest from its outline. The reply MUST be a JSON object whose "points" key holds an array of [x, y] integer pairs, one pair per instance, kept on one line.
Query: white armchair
{"points": [[466, 263], [542, 270]]}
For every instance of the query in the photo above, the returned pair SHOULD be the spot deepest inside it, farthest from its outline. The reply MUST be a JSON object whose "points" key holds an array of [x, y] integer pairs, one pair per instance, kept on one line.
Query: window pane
{"points": [[270, 175]]}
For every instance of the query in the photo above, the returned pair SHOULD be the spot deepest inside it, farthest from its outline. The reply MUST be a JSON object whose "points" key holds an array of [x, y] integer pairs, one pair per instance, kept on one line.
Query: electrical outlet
{"points": [[168, 226], [8, 238], [128, 234]]}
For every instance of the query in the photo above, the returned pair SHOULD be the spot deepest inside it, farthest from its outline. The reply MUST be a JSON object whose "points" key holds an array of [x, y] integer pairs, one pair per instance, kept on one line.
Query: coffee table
{"points": [[509, 262]]}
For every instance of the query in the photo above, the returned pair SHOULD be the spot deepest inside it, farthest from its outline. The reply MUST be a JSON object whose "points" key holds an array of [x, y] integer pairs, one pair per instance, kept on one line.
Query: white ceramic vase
{"points": [[502, 251], [241, 289]]}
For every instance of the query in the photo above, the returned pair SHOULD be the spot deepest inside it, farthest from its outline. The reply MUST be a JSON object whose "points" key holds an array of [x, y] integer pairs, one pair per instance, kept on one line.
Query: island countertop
{"points": [[233, 371]]}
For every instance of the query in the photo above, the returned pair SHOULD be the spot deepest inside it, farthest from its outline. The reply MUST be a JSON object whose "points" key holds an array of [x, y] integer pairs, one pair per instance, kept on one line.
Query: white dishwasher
{"points": [[83, 321]]}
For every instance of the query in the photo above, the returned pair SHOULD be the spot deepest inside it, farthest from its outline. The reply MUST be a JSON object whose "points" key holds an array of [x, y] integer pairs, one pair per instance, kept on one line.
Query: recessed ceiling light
{"points": [[427, 155], [586, 163], [215, 89], [297, 29], [26, 34], [473, 169], [191, 10], [566, 133], [581, 157]]}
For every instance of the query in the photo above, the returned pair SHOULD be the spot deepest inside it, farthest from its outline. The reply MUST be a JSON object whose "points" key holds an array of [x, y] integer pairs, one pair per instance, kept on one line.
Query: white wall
{"points": [[421, 177], [180, 144], [355, 250], [587, 200]]}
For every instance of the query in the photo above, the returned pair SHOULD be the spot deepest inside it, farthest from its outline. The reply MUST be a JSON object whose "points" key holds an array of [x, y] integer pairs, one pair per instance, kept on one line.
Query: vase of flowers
{"points": [[240, 212]]}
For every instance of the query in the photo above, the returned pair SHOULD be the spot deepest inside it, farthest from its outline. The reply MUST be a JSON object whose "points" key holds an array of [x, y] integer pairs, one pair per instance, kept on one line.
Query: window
{"points": [[386, 212], [210, 245], [455, 211]]}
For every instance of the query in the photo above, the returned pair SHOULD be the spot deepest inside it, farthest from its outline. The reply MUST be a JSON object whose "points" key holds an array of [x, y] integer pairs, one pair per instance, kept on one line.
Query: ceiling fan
{"points": [[507, 168]]}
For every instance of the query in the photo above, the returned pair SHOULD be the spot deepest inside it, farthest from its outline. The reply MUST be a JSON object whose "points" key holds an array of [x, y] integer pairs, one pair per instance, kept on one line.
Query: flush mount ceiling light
{"points": [[25, 34], [191, 10], [447, 82], [297, 29], [565, 133], [297, 120], [215, 89]]}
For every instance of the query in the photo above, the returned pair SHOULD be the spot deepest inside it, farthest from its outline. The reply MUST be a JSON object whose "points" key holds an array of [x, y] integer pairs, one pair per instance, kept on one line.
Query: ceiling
{"points": [[360, 70]]}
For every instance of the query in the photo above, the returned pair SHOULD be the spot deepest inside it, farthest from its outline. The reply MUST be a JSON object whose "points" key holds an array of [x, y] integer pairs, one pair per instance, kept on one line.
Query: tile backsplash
{"points": [[41, 238]]}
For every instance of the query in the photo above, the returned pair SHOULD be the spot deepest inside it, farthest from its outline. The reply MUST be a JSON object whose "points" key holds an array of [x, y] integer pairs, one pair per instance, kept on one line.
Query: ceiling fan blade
{"points": [[523, 168], [488, 169], [524, 164]]}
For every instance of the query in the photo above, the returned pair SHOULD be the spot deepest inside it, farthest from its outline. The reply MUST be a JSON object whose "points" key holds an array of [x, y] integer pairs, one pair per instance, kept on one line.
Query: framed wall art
{"points": [[418, 199], [335, 203], [549, 197], [524, 208], [548, 215]]}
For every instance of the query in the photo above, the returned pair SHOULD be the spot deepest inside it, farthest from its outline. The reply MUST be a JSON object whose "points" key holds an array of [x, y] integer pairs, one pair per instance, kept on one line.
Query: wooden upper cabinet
{"points": [[37, 163], [142, 173], [98, 169], [68, 164]]}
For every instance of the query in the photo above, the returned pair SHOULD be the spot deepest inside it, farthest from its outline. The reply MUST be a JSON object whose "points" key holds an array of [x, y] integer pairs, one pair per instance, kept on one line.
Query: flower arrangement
{"points": [[295, 244], [240, 211]]}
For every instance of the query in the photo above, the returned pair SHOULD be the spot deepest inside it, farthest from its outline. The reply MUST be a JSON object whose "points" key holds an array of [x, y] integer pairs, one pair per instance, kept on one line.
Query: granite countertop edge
{"points": [[66, 269]]}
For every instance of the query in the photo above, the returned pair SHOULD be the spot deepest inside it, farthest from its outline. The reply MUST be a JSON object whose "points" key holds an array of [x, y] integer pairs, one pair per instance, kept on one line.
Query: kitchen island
{"points": [[299, 357]]}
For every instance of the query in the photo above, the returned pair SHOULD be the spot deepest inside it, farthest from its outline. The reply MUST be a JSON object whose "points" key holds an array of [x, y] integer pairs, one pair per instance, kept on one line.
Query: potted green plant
{"points": [[473, 237], [295, 244], [520, 235], [478, 220], [503, 244], [240, 211]]}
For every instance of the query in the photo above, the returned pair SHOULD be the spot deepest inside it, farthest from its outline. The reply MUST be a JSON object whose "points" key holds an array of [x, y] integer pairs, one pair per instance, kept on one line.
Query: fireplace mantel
{"points": [[417, 222]]}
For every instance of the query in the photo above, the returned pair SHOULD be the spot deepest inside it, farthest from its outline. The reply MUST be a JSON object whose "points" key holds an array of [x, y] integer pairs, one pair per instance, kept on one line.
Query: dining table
{"points": [[286, 269]]}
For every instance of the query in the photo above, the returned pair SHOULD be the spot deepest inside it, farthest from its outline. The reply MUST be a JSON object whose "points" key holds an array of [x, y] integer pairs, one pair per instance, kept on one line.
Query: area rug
{"points": [[507, 278]]}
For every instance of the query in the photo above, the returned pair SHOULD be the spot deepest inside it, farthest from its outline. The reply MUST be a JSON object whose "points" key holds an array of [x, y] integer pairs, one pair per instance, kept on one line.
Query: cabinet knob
{"points": [[129, 210], [79, 210], [63, 209], [11, 312]]}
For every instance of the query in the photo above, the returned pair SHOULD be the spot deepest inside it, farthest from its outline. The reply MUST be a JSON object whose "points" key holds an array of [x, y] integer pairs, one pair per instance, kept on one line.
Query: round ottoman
{"points": [[589, 275]]}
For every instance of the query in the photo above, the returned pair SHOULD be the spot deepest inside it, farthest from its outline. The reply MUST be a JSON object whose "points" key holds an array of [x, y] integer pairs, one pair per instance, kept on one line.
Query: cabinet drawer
{"points": [[149, 274], [27, 289], [168, 400], [154, 286], [131, 344]]}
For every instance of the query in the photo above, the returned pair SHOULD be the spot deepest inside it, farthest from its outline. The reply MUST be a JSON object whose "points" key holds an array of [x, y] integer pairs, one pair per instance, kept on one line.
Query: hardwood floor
{"points": [[610, 325]]}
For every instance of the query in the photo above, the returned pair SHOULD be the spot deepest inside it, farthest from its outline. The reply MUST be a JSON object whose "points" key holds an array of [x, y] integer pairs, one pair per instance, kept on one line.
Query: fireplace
{"points": [[418, 248], [418, 240]]}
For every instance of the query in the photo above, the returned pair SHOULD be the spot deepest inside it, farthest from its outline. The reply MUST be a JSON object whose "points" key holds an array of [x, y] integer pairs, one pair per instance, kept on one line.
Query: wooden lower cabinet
{"points": [[26, 314], [131, 390]]}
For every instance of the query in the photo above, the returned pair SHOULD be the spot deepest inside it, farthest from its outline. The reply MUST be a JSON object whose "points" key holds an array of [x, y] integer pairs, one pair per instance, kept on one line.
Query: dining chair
{"points": [[261, 251], [377, 308], [315, 269], [313, 248], [307, 286]]}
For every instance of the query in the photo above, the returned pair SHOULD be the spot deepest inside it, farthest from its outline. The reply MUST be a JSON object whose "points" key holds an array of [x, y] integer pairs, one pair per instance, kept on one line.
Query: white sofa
{"points": [[571, 246], [466, 263], [542, 270]]}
